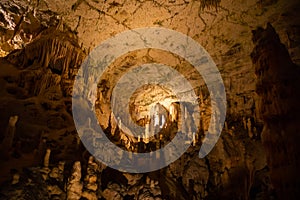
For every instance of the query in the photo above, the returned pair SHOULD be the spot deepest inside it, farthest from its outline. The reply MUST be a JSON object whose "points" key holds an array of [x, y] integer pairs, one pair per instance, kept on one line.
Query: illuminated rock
{"points": [[74, 185]]}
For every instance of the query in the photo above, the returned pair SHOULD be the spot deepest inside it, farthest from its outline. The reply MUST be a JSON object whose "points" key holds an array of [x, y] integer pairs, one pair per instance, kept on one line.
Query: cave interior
{"points": [[254, 44]]}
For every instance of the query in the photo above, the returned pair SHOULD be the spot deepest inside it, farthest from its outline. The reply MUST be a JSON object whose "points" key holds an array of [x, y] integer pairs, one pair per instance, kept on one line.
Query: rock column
{"points": [[74, 186], [90, 181]]}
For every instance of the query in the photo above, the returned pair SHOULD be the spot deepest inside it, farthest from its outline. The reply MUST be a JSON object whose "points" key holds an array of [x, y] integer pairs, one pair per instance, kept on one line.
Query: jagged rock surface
{"points": [[278, 88]]}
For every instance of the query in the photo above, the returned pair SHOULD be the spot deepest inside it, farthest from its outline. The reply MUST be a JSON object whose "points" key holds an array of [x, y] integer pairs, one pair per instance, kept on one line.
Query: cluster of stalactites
{"points": [[56, 50], [209, 4], [50, 60]]}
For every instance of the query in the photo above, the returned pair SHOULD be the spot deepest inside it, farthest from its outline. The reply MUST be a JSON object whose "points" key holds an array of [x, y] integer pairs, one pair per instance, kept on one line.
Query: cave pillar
{"points": [[47, 158], [74, 186]]}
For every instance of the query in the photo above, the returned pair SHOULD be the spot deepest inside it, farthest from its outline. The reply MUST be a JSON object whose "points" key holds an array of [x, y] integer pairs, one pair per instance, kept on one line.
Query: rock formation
{"points": [[90, 186], [278, 88], [42, 45], [74, 185], [47, 158], [7, 142]]}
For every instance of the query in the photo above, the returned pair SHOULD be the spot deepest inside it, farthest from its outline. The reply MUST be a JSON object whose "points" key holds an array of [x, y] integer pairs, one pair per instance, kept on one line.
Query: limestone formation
{"points": [[74, 185], [54, 191], [15, 179], [45, 43], [225, 126], [245, 123], [41, 150], [58, 172], [133, 179], [249, 128], [112, 192], [13, 120], [278, 89], [90, 182], [231, 131], [152, 185], [47, 158], [7, 143]]}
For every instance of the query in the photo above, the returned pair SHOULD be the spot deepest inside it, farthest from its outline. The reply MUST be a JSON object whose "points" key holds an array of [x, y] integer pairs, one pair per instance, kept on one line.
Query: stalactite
{"points": [[48, 80], [51, 59], [209, 4]]}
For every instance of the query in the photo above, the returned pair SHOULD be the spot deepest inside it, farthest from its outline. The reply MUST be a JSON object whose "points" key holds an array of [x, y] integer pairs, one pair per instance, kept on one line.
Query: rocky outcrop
{"points": [[38, 83], [278, 89], [21, 23], [49, 61]]}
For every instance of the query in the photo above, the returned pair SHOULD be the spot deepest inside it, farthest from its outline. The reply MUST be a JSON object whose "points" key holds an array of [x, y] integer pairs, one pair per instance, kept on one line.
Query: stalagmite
{"points": [[41, 151], [16, 178], [13, 120], [74, 186], [7, 142], [148, 180], [231, 131], [244, 123], [249, 127], [90, 181], [58, 172], [46, 158], [45, 170], [152, 184]]}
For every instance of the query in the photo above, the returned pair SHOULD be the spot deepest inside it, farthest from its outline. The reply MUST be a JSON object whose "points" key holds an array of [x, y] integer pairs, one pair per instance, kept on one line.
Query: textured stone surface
{"points": [[278, 89], [74, 187], [54, 37]]}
